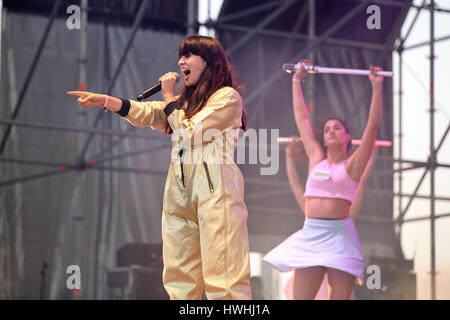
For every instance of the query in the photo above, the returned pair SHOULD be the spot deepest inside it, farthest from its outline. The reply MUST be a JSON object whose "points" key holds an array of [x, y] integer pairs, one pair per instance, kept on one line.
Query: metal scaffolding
{"points": [[431, 164], [117, 134], [223, 23], [111, 138]]}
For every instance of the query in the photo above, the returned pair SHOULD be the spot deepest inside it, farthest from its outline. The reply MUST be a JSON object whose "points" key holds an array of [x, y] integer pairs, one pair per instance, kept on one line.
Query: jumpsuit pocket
{"points": [[208, 176], [181, 166]]}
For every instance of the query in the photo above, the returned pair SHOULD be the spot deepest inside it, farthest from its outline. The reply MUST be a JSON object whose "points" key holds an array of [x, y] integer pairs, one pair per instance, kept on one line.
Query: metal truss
{"points": [[30, 73], [224, 23], [431, 164], [82, 164]]}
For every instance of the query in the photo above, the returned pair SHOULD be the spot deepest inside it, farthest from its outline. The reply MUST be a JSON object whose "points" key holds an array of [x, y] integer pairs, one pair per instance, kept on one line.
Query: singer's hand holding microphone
{"points": [[168, 82]]}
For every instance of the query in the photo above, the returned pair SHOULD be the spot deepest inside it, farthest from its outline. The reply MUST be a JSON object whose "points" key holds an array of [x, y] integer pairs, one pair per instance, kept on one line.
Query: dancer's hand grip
{"points": [[355, 142], [290, 68]]}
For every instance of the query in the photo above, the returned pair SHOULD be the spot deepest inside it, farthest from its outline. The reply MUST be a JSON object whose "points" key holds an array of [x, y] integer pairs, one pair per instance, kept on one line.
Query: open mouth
{"points": [[186, 74]]}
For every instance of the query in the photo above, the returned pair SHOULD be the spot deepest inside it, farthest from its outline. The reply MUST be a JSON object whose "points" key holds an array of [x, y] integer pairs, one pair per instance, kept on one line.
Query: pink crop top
{"points": [[330, 181]]}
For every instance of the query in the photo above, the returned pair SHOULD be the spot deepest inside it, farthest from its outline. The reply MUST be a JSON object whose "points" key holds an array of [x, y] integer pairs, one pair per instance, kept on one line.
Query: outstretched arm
{"points": [[358, 161], [90, 99], [139, 114], [293, 178], [312, 147], [359, 196]]}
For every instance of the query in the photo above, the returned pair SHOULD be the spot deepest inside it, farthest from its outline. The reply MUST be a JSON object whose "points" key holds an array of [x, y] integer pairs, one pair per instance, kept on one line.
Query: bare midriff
{"points": [[326, 208]]}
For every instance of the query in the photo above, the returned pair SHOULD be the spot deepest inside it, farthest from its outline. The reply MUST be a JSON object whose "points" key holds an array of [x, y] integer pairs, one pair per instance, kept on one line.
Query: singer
{"points": [[328, 242], [204, 217]]}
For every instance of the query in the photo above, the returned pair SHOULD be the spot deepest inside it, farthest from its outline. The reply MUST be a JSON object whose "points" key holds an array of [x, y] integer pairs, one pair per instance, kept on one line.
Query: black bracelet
{"points": [[170, 107], [125, 108]]}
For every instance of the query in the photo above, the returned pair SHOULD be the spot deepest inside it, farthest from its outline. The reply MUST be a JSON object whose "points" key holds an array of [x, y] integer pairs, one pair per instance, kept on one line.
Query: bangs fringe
{"points": [[188, 46]]}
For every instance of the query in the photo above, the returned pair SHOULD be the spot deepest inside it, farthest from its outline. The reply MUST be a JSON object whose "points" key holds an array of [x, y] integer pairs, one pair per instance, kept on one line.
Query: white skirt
{"points": [[332, 243]]}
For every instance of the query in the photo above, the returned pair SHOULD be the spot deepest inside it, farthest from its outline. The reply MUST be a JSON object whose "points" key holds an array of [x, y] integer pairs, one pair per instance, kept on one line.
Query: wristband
{"points": [[171, 107], [125, 107]]}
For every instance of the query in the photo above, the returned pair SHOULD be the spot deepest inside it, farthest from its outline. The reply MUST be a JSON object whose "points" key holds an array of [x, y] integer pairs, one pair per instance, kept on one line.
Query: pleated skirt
{"points": [[332, 243]]}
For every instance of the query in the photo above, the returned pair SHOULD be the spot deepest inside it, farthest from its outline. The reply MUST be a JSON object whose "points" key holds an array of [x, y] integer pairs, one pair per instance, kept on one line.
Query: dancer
{"points": [[295, 153], [328, 241], [204, 217]]}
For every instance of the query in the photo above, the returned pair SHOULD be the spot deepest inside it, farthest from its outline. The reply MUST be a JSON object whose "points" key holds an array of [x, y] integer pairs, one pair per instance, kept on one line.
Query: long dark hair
{"points": [[217, 74]]}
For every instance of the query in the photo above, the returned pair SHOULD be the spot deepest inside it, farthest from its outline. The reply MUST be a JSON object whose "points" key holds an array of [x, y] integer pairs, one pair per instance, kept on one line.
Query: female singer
{"points": [[204, 217]]}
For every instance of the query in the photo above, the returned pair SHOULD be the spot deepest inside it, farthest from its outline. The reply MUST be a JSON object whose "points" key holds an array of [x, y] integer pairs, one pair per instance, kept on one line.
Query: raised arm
{"points": [[312, 146], [358, 161], [293, 178], [222, 112], [359, 196]]}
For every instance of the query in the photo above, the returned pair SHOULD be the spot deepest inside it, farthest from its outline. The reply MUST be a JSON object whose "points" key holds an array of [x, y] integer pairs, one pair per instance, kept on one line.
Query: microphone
{"points": [[156, 88]]}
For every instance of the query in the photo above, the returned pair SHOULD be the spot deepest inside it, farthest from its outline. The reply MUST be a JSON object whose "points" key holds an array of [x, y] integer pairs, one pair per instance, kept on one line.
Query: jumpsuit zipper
{"points": [[211, 188], [181, 166]]}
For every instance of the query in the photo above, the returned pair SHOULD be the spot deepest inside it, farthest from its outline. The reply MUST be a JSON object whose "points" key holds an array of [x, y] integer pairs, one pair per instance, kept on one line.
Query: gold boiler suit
{"points": [[204, 217]]}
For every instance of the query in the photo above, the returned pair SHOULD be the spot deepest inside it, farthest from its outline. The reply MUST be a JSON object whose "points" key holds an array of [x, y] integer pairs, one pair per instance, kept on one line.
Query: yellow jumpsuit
{"points": [[204, 217]]}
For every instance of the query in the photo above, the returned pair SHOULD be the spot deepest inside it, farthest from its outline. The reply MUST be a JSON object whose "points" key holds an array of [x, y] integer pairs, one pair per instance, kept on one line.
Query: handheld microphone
{"points": [[156, 88]]}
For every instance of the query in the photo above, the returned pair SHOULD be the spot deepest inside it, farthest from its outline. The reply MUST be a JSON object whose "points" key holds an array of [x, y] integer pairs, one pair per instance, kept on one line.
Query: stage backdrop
{"points": [[78, 216]]}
